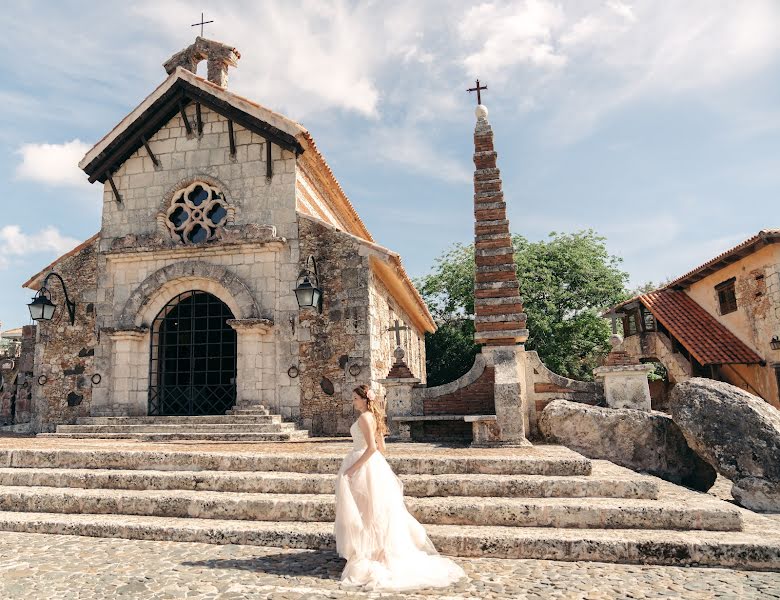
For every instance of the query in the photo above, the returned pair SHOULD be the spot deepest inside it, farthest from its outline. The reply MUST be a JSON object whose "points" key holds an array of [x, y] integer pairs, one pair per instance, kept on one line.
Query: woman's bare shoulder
{"points": [[368, 417]]}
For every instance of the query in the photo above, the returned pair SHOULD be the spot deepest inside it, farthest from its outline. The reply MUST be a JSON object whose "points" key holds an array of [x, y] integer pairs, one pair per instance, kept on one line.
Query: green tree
{"points": [[565, 281]]}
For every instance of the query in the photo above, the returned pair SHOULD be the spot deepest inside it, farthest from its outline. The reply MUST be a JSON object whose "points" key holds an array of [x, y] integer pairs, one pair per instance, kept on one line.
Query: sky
{"points": [[657, 124]]}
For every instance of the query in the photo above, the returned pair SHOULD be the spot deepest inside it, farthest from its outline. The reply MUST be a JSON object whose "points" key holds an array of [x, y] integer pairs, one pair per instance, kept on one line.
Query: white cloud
{"points": [[511, 34], [14, 242], [622, 9], [406, 146], [53, 164], [309, 56]]}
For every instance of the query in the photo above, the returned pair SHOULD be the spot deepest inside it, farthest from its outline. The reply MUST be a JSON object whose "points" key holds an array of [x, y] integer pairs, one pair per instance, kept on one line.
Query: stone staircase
{"points": [[543, 502], [241, 424]]}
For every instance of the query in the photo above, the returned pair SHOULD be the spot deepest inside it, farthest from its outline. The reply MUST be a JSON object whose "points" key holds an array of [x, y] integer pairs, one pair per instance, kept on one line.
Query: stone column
{"points": [[510, 393], [129, 371], [255, 372], [625, 379]]}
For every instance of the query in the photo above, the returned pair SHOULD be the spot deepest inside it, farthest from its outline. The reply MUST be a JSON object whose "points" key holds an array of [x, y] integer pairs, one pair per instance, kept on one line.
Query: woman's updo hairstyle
{"points": [[374, 406]]}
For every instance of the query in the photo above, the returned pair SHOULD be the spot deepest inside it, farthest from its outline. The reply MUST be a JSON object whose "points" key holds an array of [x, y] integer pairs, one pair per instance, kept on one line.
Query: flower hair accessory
{"points": [[370, 395]]}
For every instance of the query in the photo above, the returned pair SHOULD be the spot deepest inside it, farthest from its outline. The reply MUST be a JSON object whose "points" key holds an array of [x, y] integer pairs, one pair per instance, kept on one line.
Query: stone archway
{"points": [[192, 367], [155, 291], [131, 338]]}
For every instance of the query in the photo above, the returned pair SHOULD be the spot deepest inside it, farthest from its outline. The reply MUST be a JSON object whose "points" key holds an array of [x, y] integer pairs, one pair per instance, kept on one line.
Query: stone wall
{"points": [[546, 386], [62, 384], [473, 399], [332, 342], [251, 265], [384, 311]]}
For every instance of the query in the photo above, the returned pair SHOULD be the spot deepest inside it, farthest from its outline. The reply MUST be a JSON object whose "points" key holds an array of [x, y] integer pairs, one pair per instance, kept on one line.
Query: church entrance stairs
{"points": [[254, 425], [539, 502]]}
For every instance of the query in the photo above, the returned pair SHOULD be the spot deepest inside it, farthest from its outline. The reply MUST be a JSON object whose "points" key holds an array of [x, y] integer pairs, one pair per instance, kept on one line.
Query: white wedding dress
{"points": [[385, 547]]}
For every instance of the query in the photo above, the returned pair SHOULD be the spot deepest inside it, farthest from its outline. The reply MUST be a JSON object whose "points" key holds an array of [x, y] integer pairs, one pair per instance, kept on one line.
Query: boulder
{"points": [[636, 439], [737, 433]]}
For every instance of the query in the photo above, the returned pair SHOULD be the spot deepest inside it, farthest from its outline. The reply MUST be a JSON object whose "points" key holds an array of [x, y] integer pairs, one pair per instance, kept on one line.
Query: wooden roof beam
{"points": [[149, 152]]}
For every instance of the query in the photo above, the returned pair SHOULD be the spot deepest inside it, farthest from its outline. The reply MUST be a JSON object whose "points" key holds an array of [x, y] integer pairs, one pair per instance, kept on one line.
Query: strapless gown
{"points": [[385, 547]]}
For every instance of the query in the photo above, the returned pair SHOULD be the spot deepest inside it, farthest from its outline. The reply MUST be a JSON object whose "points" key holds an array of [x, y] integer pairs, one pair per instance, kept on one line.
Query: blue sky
{"points": [[654, 123]]}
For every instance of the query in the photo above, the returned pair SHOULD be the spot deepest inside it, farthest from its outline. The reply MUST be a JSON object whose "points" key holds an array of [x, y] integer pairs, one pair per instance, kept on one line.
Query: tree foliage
{"points": [[565, 281]]}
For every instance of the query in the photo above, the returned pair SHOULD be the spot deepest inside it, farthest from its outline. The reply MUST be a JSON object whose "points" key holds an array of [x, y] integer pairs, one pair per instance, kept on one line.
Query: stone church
{"points": [[215, 209]]}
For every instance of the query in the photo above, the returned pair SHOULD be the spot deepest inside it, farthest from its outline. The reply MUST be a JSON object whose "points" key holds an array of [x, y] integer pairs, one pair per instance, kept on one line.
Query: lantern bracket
{"points": [[44, 291]]}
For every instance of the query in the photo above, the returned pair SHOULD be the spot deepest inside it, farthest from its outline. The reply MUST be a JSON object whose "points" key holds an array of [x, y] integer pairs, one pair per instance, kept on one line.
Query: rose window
{"points": [[196, 212]]}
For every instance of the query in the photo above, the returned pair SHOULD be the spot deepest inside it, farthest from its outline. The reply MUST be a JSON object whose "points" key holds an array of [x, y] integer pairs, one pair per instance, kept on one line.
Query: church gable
{"points": [[186, 188], [179, 91]]}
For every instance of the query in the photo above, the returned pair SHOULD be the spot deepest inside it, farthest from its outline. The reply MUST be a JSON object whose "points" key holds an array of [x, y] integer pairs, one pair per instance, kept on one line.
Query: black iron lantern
{"points": [[42, 308], [775, 343], [307, 290]]}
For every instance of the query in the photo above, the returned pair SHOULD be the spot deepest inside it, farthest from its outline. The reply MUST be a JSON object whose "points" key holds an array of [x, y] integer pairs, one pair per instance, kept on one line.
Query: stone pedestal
{"points": [[398, 401], [510, 394], [625, 378], [626, 386]]}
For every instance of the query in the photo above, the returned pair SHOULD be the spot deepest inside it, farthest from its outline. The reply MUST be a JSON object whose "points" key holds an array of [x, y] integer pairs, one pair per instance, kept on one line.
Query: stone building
{"points": [[720, 320], [213, 207]]}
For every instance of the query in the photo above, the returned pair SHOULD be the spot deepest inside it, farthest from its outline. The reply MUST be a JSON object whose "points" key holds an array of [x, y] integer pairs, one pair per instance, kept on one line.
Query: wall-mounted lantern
{"points": [[307, 290], [775, 343], [42, 308]]}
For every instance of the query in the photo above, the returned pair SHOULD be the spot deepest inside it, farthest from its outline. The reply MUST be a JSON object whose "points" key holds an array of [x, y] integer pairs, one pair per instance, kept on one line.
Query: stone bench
{"points": [[484, 429]]}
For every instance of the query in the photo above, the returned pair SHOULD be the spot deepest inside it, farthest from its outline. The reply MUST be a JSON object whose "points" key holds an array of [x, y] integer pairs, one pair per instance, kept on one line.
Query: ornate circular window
{"points": [[196, 212]]}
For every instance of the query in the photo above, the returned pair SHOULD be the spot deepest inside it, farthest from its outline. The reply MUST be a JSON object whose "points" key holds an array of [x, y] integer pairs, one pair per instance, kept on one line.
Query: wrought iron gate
{"points": [[192, 367]]}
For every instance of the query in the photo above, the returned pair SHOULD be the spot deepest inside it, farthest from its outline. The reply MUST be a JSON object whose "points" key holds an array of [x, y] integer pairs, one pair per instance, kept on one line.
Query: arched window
{"points": [[196, 212]]}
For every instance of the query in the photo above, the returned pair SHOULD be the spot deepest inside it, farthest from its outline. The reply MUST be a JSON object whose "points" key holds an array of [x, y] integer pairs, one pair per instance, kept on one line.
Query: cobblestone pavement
{"points": [[40, 567]]}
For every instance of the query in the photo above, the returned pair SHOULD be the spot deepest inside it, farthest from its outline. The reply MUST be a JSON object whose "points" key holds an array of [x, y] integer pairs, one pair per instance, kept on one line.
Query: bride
{"points": [[385, 547]]}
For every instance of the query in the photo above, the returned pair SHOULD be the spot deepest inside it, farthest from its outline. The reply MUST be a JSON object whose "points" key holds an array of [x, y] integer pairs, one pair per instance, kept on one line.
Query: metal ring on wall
{"points": [[293, 372], [354, 370], [96, 379], [42, 379]]}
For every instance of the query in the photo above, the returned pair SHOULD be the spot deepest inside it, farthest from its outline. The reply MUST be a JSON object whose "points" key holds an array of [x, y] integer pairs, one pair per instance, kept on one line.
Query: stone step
{"points": [[254, 410], [566, 464], [658, 547], [317, 483], [196, 436], [598, 513], [241, 418], [180, 428]]}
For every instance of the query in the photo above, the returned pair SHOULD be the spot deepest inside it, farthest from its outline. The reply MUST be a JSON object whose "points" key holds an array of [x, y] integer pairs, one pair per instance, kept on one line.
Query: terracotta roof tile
{"points": [[697, 330], [750, 245]]}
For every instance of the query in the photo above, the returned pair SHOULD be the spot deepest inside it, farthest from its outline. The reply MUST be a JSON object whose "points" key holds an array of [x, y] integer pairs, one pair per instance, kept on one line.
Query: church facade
{"points": [[214, 210]]}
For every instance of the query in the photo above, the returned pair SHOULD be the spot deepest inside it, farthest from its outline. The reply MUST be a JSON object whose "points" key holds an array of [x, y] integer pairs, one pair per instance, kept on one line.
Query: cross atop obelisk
{"points": [[478, 89]]}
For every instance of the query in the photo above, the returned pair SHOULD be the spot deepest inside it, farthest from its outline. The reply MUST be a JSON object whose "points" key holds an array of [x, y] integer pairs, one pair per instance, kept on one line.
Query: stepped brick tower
{"points": [[500, 320]]}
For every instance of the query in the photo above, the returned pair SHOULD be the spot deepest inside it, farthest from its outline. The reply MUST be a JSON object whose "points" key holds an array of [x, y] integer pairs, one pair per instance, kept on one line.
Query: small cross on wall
{"points": [[397, 328], [202, 23], [478, 89]]}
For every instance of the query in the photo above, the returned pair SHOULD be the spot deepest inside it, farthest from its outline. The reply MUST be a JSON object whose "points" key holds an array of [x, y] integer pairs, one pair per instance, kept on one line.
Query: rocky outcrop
{"points": [[639, 440], [735, 432]]}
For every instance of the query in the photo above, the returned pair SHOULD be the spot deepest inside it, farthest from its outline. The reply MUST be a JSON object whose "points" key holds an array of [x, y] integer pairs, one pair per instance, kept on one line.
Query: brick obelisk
{"points": [[500, 320]]}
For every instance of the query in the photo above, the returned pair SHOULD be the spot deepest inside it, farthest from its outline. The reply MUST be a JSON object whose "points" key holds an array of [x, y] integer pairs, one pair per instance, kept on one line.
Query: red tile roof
{"points": [[750, 245], [697, 330]]}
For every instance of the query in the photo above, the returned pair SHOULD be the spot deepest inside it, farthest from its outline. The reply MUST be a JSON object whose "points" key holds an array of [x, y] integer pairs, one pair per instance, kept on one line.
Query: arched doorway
{"points": [[193, 357]]}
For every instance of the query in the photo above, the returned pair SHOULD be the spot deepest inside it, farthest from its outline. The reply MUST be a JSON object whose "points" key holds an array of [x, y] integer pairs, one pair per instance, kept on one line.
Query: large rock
{"points": [[640, 440], [737, 433]]}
